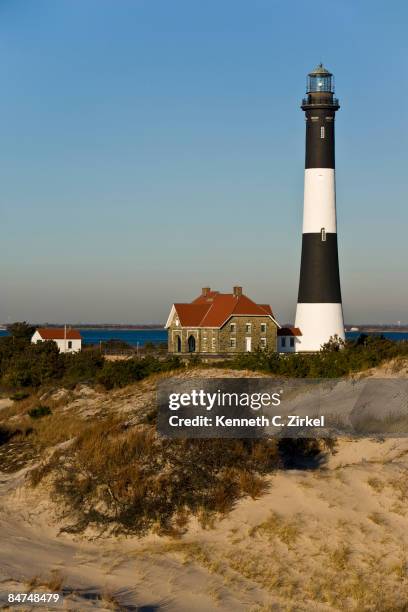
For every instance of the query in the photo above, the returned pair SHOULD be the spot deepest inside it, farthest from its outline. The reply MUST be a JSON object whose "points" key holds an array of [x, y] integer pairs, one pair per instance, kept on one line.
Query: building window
{"points": [[70, 344], [191, 342], [233, 342], [263, 328], [263, 342], [322, 132], [323, 234], [177, 322], [233, 328], [248, 328], [292, 342], [283, 342], [213, 343]]}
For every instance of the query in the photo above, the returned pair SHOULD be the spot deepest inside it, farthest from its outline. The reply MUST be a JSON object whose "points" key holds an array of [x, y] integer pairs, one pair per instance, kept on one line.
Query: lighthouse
{"points": [[319, 312]]}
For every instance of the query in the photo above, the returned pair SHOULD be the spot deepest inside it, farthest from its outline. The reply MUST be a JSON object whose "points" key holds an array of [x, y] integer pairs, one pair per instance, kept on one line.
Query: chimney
{"points": [[237, 291], [205, 291]]}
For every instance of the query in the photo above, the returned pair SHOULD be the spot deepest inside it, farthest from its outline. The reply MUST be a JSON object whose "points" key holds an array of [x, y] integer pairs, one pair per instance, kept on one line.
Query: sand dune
{"points": [[326, 539]]}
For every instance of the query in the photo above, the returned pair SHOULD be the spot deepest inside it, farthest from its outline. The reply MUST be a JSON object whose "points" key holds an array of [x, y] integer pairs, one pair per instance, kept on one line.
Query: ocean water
{"points": [[396, 336], [139, 337], [133, 337]]}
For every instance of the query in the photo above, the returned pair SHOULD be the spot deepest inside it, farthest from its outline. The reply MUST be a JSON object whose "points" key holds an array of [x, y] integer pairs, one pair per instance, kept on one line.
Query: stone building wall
{"points": [[221, 341], [236, 328]]}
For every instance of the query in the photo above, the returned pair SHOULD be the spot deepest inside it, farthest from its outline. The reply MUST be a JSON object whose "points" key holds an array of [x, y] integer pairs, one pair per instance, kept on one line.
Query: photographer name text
{"points": [[259, 421]]}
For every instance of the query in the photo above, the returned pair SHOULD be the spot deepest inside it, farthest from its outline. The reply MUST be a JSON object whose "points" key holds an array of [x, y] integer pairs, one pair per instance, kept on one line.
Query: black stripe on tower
{"points": [[319, 270], [320, 109], [319, 139]]}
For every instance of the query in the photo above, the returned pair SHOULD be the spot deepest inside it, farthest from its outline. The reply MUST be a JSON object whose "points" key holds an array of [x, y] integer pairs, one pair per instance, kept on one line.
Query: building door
{"points": [[191, 344], [248, 344], [178, 344]]}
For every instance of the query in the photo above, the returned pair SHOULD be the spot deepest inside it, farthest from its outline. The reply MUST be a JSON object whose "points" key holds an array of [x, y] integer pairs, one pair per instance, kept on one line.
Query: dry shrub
{"points": [[54, 582], [400, 485], [277, 526], [130, 480], [8, 433], [339, 557], [252, 484], [111, 602], [376, 484], [377, 518], [57, 428]]}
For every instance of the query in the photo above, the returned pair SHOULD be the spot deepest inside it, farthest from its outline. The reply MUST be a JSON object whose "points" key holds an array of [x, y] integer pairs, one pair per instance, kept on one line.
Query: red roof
{"points": [[213, 309], [289, 331], [58, 333], [267, 308]]}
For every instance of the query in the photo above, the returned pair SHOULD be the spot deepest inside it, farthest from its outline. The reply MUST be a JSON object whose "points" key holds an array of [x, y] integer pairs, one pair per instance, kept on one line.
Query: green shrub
{"points": [[30, 365], [115, 344], [18, 396], [82, 367], [23, 364], [121, 373], [39, 411], [336, 358], [21, 330]]}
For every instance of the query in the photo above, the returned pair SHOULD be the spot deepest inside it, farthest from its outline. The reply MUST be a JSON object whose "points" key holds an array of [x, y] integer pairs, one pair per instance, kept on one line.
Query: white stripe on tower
{"points": [[318, 323], [319, 207]]}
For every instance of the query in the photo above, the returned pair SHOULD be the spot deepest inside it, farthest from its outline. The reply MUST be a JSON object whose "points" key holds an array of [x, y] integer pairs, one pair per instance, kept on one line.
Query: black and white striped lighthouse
{"points": [[319, 313]]}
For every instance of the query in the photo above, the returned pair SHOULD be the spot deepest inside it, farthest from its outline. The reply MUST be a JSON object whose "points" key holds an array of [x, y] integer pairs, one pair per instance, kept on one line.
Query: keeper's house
{"points": [[68, 340], [221, 323]]}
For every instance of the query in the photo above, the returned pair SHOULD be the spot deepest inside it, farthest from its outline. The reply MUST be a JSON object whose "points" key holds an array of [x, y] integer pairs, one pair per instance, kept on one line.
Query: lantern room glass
{"points": [[320, 82]]}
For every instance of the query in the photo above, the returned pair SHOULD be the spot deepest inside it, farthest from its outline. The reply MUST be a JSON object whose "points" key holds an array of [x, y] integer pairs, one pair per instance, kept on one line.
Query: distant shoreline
{"points": [[373, 330], [160, 326], [128, 327], [124, 327]]}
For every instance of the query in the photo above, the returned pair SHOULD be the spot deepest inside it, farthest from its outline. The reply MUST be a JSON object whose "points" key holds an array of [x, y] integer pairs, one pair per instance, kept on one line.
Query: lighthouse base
{"points": [[318, 323]]}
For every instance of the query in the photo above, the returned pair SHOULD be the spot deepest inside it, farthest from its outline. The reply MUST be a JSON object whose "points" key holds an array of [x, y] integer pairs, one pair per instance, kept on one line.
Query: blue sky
{"points": [[149, 148]]}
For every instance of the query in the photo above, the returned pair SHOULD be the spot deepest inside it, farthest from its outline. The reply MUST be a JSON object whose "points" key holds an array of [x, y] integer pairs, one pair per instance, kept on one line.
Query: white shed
{"points": [[289, 339], [68, 340]]}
